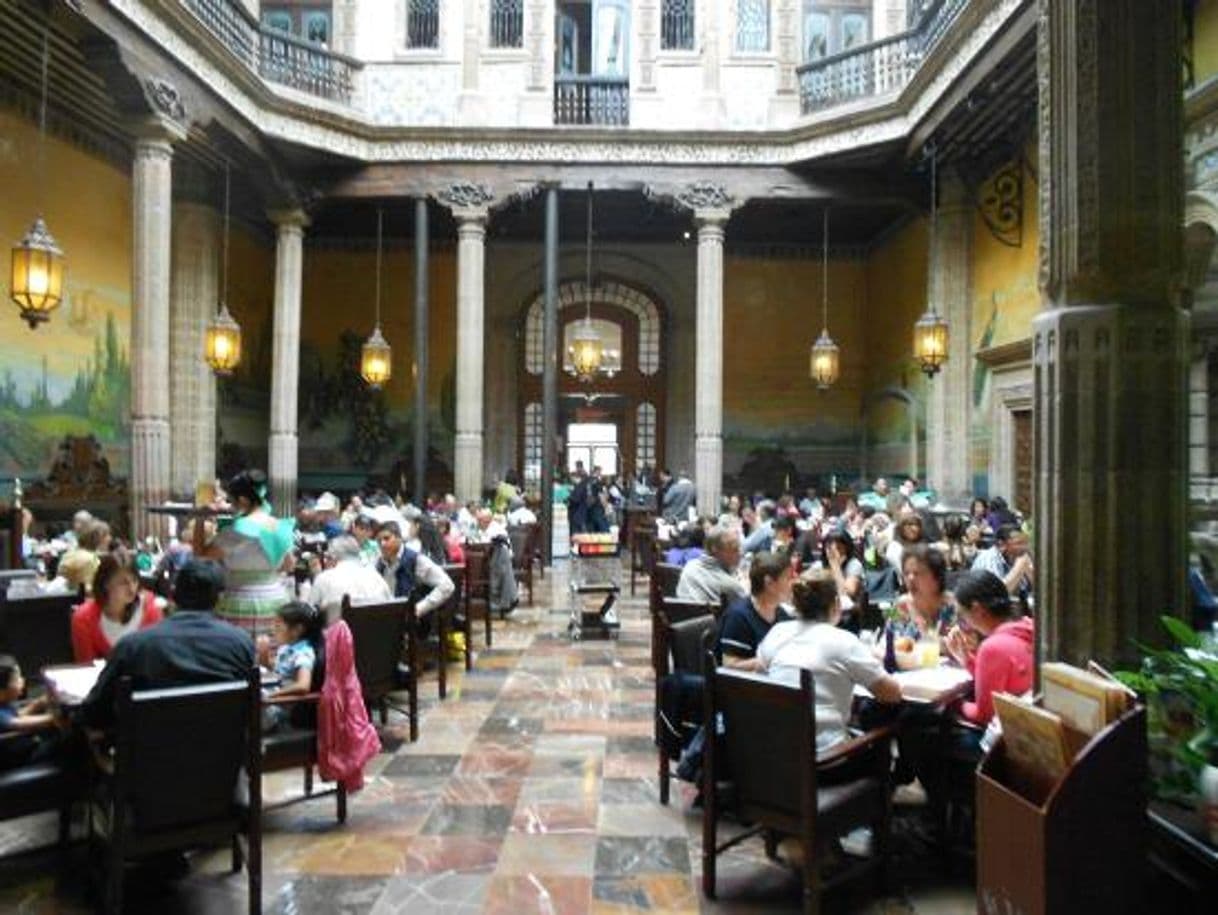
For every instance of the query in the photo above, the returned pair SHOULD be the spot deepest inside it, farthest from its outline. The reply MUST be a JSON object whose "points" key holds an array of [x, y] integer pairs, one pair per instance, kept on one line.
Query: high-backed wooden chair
{"points": [[678, 673], [768, 751], [642, 552], [523, 538], [666, 578], [37, 631], [382, 660], [177, 765], [478, 584]]}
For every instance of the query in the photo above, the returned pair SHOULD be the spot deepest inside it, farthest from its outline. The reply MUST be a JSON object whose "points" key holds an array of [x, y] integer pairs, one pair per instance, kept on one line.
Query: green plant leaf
{"points": [[1180, 631]]}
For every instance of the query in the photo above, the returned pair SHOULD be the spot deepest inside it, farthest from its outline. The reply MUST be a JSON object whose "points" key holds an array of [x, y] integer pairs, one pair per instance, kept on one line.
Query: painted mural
{"points": [[72, 374]]}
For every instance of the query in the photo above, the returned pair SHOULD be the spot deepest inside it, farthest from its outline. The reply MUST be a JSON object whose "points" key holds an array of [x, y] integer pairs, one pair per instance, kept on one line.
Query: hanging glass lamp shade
{"points": [[930, 342], [222, 342], [587, 351], [36, 280], [825, 362], [376, 360]]}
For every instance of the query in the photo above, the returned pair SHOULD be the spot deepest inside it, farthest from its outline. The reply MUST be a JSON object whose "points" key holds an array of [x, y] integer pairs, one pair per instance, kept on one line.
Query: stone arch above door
{"points": [[573, 295]]}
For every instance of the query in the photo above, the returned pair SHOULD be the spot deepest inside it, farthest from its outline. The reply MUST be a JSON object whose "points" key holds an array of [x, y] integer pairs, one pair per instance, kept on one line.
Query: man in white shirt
{"points": [[346, 574], [408, 574], [836, 657]]}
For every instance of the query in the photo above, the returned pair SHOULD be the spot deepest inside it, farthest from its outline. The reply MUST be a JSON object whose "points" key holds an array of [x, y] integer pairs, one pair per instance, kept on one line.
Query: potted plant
{"points": [[1180, 687]]}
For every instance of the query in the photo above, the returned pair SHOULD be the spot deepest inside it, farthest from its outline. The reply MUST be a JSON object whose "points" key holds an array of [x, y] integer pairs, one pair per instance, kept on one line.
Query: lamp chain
{"points": [[224, 255], [380, 216], [588, 262], [42, 115], [824, 285], [934, 218]]}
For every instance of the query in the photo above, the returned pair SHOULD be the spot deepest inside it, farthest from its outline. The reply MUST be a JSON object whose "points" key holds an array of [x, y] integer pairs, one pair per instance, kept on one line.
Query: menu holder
{"points": [[1078, 848]]}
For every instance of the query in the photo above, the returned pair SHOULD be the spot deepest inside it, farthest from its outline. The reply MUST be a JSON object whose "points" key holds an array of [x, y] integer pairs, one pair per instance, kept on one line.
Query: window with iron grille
{"points": [[752, 25], [532, 444], [677, 25], [422, 23], [645, 436], [507, 23]]}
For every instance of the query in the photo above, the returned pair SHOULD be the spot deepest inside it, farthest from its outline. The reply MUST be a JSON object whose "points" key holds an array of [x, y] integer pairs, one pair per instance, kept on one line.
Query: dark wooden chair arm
{"points": [[855, 747], [294, 699]]}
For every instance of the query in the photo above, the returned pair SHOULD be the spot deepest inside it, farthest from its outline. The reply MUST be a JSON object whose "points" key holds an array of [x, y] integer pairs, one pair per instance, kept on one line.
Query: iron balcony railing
{"points": [[277, 56], [878, 67], [592, 100]]}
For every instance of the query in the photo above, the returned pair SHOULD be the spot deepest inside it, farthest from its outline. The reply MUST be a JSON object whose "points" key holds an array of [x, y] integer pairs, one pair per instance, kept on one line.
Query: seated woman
{"points": [[845, 568], [297, 631], [1003, 661], [925, 609], [454, 547], [837, 659], [118, 607]]}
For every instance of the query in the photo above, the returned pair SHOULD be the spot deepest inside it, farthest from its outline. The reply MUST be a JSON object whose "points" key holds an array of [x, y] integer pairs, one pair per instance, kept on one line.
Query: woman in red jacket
{"points": [[117, 607]]}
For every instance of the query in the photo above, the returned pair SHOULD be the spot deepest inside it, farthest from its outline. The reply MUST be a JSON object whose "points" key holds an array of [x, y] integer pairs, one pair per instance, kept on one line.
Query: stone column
{"points": [[422, 307], [285, 357], [470, 207], [549, 374], [195, 292], [1110, 348], [1199, 413], [949, 411], [712, 206], [152, 190]]}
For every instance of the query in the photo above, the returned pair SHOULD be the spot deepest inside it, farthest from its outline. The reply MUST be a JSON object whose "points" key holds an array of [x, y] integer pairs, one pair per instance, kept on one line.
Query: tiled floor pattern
{"points": [[532, 789]]}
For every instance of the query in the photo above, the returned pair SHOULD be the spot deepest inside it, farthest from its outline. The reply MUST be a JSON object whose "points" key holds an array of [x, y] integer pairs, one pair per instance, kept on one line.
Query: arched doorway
{"points": [[617, 419]]}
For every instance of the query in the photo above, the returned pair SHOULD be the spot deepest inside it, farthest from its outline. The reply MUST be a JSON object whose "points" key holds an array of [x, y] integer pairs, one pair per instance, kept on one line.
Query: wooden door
{"points": [[1022, 496]]}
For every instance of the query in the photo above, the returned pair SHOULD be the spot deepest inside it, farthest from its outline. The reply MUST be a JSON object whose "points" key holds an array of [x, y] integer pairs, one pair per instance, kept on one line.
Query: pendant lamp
{"points": [[825, 362], [587, 349], [222, 339], [931, 331], [376, 357]]}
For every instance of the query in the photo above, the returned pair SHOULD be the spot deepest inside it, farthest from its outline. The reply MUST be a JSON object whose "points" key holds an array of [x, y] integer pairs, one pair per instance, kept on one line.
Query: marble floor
{"points": [[531, 789]]}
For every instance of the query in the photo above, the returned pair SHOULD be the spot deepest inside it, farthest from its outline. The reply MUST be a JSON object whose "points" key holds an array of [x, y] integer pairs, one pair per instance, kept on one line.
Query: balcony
{"points": [[598, 101], [277, 56], [876, 68]]}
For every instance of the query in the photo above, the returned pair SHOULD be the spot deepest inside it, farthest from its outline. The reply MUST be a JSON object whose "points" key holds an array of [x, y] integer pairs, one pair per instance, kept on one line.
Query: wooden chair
{"points": [[523, 538], [642, 553], [478, 583], [294, 745], [680, 647], [666, 578], [37, 631], [379, 632], [458, 619], [177, 763], [768, 750], [39, 786]]}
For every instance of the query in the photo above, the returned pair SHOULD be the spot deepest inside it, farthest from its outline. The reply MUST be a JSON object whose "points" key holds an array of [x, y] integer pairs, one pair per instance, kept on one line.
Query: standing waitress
{"points": [[255, 549]]}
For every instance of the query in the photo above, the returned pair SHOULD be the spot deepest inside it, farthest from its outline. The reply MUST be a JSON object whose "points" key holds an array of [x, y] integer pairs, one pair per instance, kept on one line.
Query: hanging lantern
{"points": [[36, 281], [222, 342], [587, 351], [376, 360], [825, 364], [930, 342]]}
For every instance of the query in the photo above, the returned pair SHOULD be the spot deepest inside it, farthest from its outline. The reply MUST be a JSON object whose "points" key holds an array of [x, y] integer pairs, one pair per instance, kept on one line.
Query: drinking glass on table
{"points": [[928, 651]]}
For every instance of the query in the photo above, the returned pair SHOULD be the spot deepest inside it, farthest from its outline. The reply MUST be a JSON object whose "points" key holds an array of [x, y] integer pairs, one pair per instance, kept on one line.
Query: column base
{"points": [[467, 466], [708, 472], [282, 471], [1110, 473], [149, 476]]}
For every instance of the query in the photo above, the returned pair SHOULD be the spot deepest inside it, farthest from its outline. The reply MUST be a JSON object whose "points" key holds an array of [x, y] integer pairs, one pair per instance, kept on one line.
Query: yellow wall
{"points": [[772, 314], [1205, 41], [87, 207], [1004, 278], [896, 298]]}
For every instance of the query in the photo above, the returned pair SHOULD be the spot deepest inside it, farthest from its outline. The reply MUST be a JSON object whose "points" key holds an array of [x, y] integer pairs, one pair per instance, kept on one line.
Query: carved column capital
{"points": [[469, 201]]}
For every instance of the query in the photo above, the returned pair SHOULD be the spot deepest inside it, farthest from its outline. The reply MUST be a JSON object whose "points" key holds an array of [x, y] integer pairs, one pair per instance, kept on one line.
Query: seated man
{"points": [[191, 646], [712, 576], [761, 534], [1009, 559], [837, 659], [410, 574], [346, 574], [748, 619]]}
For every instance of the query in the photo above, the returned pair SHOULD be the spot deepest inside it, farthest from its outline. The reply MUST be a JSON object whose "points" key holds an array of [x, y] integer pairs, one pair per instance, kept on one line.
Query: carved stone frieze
{"points": [[466, 195], [163, 96], [704, 195]]}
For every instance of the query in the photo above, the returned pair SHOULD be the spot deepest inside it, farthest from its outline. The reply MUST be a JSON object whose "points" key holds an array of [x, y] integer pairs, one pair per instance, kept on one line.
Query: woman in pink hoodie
{"points": [[1003, 662]]}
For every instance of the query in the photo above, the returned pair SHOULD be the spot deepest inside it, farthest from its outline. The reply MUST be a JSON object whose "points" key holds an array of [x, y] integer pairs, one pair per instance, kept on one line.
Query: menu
{"points": [[72, 682]]}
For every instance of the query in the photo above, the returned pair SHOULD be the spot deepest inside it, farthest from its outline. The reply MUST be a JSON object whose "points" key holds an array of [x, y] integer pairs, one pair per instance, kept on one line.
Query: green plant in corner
{"points": [[1180, 687]]}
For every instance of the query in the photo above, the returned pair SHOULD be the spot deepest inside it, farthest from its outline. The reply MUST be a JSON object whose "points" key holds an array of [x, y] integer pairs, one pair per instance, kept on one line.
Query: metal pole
{"points": [[420, 351], [549, 378]]}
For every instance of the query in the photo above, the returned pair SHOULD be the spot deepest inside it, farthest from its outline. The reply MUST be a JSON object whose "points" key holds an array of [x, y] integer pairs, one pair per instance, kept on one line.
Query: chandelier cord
{"points": [[380, 216], [824, 285], [42, 115], [224, 254], [588, 262], [934, 217]]}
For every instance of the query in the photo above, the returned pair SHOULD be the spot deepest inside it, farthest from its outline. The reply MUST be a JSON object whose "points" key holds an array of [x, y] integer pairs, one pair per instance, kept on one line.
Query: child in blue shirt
{"points": [[297, 632], [27, 732]]}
